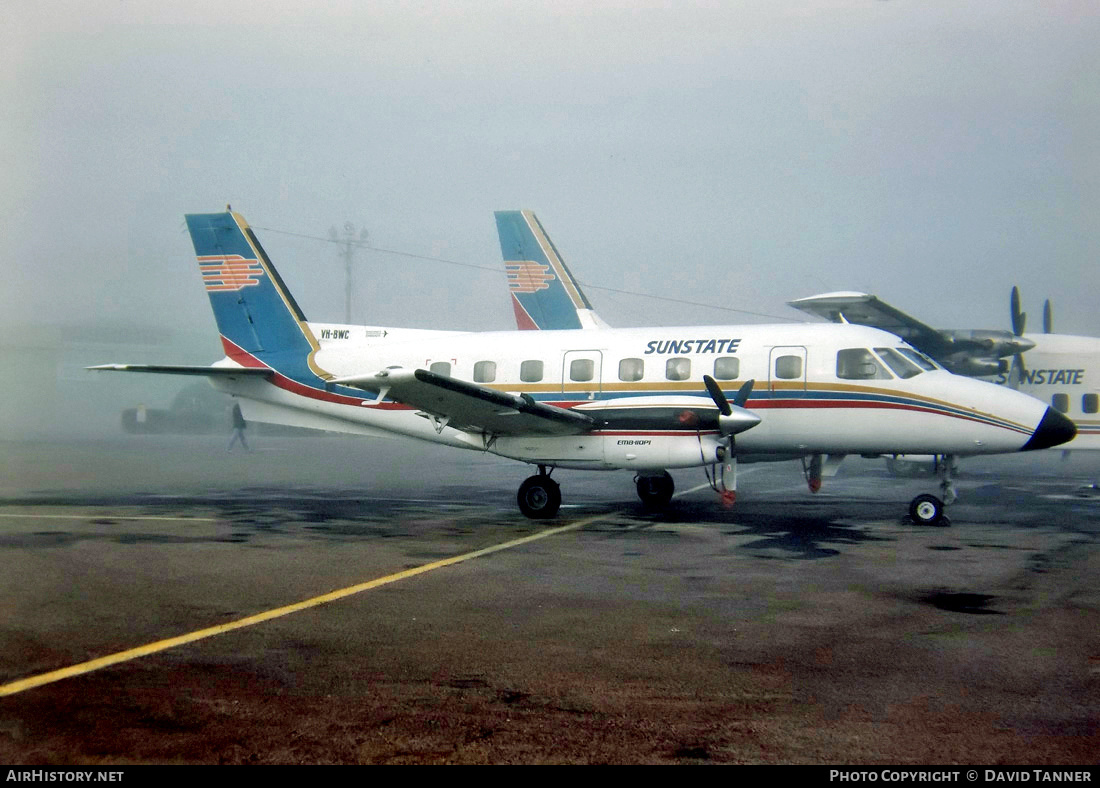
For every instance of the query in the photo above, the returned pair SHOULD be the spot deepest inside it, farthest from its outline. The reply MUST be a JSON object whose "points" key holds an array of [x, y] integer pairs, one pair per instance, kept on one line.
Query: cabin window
{"points": [[789, 367], [1089, 403], [856, 363], [485, 371], [1060, 402], [631, 369], [582, 369], [530, 371], [902, 367], [727, 368], [441, 368], [678, 369]]}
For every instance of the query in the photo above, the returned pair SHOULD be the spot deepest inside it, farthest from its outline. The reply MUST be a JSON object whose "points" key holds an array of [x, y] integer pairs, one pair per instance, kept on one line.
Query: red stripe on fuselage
{"points": [[278, 379], [863, 404], [246, 359], [652, 433]]}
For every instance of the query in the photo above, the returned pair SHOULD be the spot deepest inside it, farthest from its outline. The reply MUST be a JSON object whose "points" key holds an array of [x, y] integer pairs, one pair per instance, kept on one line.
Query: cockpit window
{"points": [[902, 367], [859, 363], [919, 359]]}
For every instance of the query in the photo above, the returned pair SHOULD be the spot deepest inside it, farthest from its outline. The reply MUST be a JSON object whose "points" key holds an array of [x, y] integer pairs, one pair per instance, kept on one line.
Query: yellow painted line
{"points": [[162, 645], [110, 517]]}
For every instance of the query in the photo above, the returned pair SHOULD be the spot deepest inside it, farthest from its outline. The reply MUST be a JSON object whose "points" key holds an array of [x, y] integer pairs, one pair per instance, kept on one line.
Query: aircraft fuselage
{"points": [[806, 406]]}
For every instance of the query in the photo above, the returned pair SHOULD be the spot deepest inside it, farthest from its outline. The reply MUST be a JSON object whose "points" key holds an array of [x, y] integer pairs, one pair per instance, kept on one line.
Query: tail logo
{"points": [[229, 272], [528, 276]]}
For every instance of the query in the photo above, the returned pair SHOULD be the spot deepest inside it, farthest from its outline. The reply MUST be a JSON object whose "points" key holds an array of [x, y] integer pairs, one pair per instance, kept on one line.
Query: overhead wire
{"points": [[495, 270]]}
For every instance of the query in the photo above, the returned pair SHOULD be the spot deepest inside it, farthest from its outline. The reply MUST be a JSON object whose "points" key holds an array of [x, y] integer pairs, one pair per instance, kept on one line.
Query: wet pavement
{"points": [[789, 628]]}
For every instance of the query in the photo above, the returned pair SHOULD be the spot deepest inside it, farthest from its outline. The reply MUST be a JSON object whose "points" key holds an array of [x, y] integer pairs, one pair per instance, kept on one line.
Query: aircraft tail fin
{"points": [[544, 293], [259, 320]]}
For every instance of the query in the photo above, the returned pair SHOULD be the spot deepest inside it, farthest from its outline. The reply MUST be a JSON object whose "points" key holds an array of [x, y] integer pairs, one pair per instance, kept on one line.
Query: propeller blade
{"points": [[1019, 319], [1018, 372], [1048, 317], [716, 394], [743, 393]]}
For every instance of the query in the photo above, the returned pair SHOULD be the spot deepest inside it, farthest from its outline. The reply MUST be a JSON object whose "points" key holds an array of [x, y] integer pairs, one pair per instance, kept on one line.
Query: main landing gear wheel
{"points": [[539, 497], [655, 491], [927, 510]]}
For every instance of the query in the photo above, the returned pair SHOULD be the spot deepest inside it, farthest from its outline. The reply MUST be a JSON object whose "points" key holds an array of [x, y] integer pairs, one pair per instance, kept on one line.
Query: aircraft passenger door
{"points": [[582, 373], [787, 368]]}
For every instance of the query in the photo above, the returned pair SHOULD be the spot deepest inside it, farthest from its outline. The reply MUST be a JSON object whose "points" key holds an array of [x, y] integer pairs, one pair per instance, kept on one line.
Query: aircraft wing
{"points": [[867, 310], [181, 369], [469, 406]]}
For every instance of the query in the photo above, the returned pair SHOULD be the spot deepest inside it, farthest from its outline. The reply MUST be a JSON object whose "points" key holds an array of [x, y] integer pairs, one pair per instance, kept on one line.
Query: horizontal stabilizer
{"points": [[180, 369]]}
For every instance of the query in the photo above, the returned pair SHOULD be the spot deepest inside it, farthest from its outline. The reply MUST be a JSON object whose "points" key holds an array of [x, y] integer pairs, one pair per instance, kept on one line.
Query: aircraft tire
{"points": [[927, 510], [655, 491], [539, 497]]}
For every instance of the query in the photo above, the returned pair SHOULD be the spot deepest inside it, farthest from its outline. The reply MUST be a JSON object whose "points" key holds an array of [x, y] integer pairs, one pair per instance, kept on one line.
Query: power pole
{"points": [[349, 243]]}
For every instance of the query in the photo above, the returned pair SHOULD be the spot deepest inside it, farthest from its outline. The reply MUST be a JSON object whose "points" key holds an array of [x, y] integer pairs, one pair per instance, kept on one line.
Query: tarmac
{"points": [[341, 600]]}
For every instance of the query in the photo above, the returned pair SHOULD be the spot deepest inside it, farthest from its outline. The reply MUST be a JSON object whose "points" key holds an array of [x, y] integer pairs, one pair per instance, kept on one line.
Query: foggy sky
{"points": [[739, 154]]}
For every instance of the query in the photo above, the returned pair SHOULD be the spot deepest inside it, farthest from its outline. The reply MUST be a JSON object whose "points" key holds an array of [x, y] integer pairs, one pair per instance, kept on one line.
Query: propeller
{"points": [[1019, 323], [1048, 318], [1019, 319], [732, 419]]}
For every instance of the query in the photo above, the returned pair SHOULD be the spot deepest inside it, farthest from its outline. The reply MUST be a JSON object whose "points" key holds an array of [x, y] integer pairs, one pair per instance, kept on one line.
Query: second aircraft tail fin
{"points": [[544, 294]]}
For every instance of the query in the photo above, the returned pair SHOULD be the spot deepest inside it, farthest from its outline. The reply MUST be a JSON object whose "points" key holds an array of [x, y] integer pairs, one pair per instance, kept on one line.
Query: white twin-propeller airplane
{"points": [[596, 398], [1061, 369]]}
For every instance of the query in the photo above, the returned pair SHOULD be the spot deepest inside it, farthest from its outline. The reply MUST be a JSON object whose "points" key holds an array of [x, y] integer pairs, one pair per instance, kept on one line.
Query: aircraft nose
{"points": [[1052, 430]]}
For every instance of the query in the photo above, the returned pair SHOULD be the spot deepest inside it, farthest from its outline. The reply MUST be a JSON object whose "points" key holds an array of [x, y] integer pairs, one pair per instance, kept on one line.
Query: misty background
{"points": [[734, 155]]}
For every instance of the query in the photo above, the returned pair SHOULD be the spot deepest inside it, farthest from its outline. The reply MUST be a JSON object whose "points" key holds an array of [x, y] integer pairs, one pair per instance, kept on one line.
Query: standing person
{"points": [[239, 425]]}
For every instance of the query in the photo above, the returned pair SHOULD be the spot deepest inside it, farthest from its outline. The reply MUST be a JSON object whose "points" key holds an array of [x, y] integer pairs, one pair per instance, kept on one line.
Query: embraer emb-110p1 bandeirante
{"points": [[638, 399]]}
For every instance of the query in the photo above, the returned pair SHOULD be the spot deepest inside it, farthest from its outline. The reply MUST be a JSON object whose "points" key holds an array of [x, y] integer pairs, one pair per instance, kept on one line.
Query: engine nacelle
{"points": [[637, 451], [976, 367], [992, 344]]}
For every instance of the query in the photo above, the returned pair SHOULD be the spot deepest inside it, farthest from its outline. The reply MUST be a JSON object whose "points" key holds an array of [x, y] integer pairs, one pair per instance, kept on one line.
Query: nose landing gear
{"points": [[930, 510], [927, 510]]}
